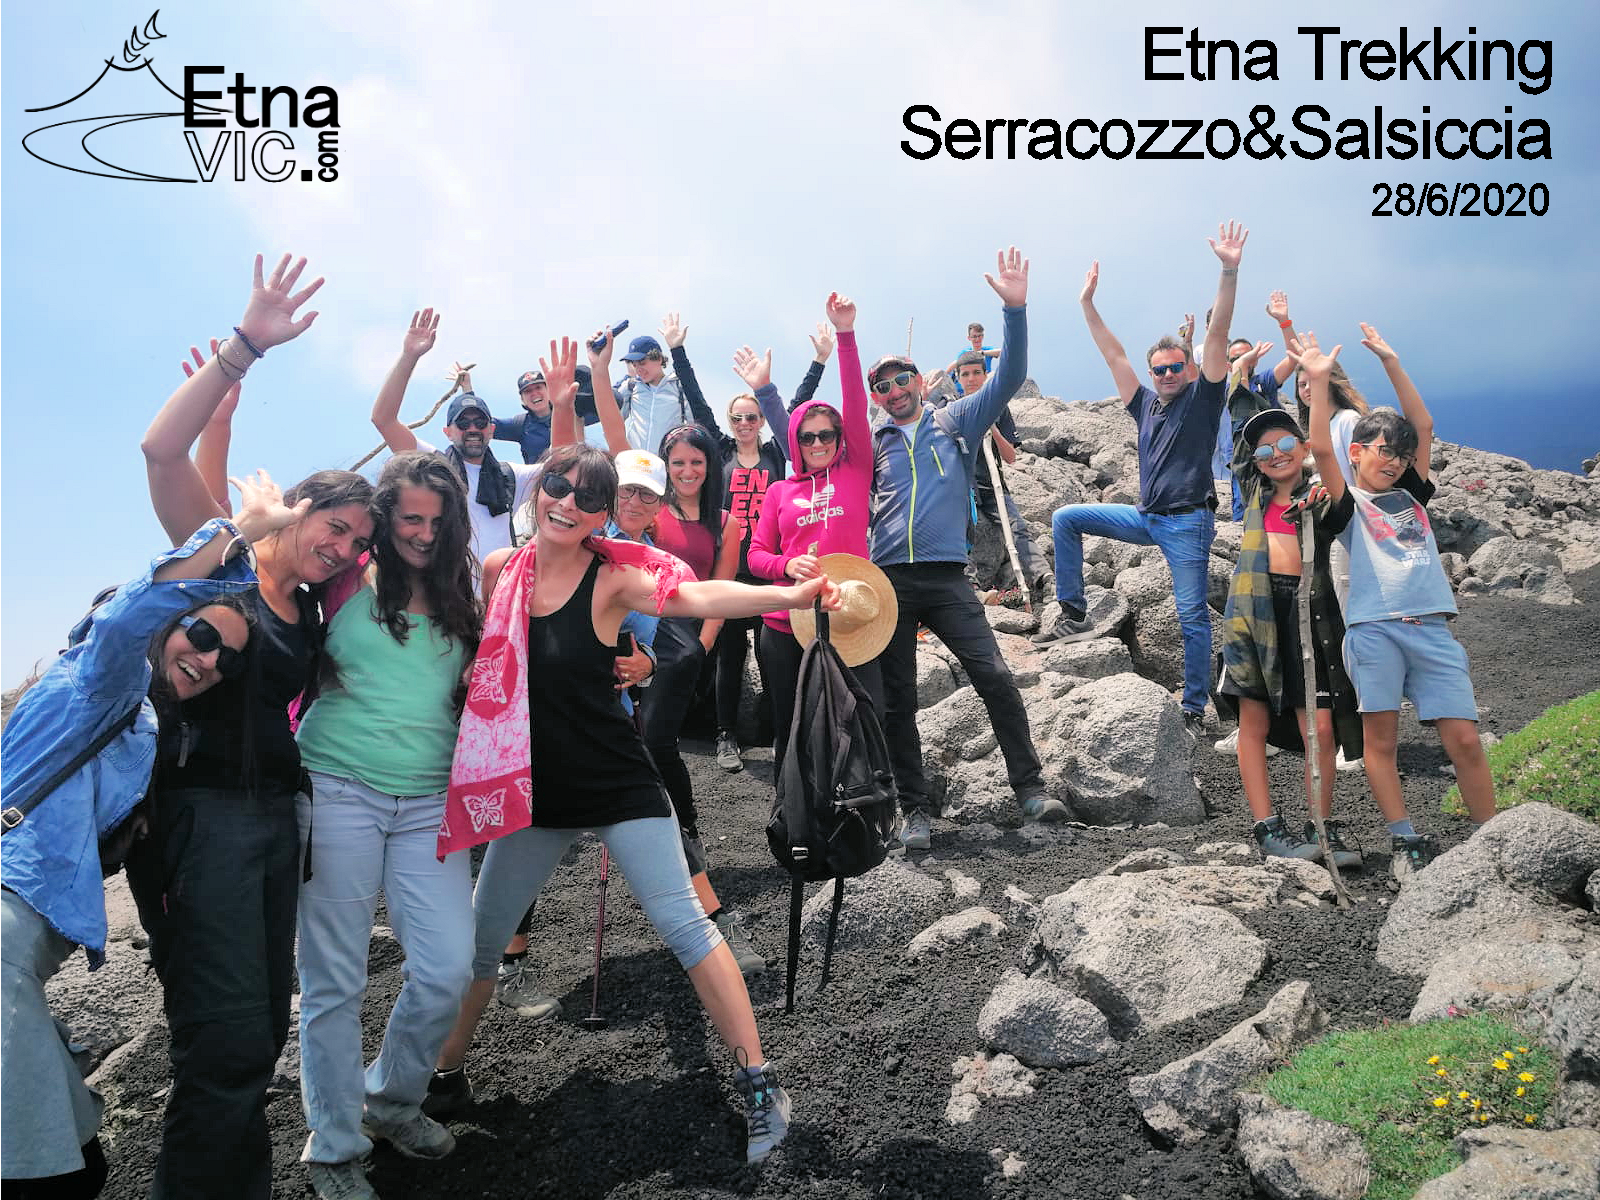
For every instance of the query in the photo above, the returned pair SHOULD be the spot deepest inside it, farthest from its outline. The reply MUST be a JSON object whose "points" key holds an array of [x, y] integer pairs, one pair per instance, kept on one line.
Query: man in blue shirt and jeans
{"points": [[1178, 423]]}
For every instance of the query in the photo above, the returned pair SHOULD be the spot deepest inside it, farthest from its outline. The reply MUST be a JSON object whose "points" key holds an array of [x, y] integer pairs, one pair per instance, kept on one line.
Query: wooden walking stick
{"points": [[1005, 522], [428, 416], [1308, 667]]}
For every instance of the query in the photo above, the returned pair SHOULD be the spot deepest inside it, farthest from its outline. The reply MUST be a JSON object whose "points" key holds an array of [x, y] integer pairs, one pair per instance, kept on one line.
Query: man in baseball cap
{"points": [[653, 400]]}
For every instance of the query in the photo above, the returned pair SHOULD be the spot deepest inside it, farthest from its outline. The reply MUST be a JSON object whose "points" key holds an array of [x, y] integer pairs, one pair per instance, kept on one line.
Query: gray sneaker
{"points": [[750, 961], [1277, 840], [728, 752], [514, 988], [767, 1109], [1067, 628], [916, 832], [415, 1136], [1410, 854], [340, 1181], [1040, 805], [1344, 854]]}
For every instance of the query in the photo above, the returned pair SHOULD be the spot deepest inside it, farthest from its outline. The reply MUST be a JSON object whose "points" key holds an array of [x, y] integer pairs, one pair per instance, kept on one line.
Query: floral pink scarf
{"points": [[491, 778]]}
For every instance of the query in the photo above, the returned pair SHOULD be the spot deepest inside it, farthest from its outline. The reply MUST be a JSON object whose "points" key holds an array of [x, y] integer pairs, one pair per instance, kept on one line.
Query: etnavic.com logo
{"points": [[104, 145]]}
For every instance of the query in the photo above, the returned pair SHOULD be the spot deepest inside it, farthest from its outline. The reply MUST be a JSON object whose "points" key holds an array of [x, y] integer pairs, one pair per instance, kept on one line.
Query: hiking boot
{"points": [[1194, 723], [1067, 628], [1042, 591], [750, 961], [340, 1181], [449, 1092], [1344, 854], [728, 752], [1230, 745], [1277, 840], [916, 831], [415, 1136], [1410, 854], [1040, 805], [514, 988], [766, 1110]]}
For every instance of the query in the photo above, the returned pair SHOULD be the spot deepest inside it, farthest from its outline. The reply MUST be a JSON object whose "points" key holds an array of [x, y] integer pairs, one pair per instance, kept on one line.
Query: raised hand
{"points": [[420, 336], [561, 372], [1315, 495], [1186, 330], [600, 359], [1373, 340], [269, 318], [841, 312], [1228, 245], [1304, 353], [460, 374], [1278, 306], [261, 507], [1091, 280], [755, 370], [673, 331], [822, 343], [230, 398], [1012, 284], [1246, 362]]}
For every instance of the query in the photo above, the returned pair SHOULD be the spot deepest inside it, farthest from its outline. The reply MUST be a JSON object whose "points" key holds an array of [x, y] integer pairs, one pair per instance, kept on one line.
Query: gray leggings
{"points": [[649, 853]]}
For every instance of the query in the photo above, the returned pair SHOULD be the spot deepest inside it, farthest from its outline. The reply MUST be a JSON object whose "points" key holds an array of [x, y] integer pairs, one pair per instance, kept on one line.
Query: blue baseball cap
{"points": [[641, 346], [528, 378], [462, 403]]}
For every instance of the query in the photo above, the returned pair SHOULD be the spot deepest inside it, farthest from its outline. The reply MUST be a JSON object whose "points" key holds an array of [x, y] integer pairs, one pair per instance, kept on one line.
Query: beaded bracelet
{"points": [[248, 344], [227, 365]]}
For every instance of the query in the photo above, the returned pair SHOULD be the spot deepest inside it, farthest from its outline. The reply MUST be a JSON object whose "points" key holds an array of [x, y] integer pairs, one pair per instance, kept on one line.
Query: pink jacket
{"points": [[825, 511]]}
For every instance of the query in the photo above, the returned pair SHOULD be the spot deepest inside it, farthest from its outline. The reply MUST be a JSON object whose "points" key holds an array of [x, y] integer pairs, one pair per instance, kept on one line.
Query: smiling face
{"points": [[903, 401], [536, 399], [562, 520], [744, 414], [820, 452], [1284, 466], [1167, 382], [329, 539], [414, 528], [189, 670], [1373, 471], [686, 469], [650, 369], [470, 433]]}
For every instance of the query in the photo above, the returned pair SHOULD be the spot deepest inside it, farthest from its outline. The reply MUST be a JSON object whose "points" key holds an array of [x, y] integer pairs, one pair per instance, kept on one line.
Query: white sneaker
{"points": [[1341, 763], [340, 1181], [1230, 745]]}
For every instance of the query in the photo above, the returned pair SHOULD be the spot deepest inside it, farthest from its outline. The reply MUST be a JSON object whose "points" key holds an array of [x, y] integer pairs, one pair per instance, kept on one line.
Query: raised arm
{"points": [[605, 399], [853, 389], [1105, 341], [261, 511], [1228, 246], [977, 412], [756, 371], [561, 385], [1411, 405], [822, 350], [673, 333], [418, 341], [1315, 368], [182, 500], [211, 453], [1278, 310]]}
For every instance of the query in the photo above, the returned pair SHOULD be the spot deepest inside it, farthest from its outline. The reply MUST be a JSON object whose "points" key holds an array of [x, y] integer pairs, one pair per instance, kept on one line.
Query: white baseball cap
{"points": [[642, 468]]}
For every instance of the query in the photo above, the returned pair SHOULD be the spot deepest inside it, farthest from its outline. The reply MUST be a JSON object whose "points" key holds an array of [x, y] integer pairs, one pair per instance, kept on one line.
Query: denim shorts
{"points": [[1414, 657]]}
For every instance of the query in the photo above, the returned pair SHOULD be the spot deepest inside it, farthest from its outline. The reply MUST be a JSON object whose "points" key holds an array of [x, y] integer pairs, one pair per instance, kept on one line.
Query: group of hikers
{"points": [[334, 691]]}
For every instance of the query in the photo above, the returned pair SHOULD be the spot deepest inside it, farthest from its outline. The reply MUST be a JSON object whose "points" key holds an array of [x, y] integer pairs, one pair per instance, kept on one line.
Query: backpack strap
{"points": [[947, 426], [797, 898], [16, 813], [833, 928]]}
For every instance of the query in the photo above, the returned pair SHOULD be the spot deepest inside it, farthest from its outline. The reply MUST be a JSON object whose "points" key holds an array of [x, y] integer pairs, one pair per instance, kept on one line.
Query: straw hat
{"points": [[865, 621]]}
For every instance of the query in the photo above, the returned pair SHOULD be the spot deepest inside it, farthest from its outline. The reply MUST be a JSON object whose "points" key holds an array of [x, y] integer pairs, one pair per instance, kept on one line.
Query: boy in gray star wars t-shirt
{"points": [[1397, 637]]}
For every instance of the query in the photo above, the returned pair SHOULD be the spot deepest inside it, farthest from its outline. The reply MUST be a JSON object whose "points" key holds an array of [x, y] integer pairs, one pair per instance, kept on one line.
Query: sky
{"points": [[533, 171]]}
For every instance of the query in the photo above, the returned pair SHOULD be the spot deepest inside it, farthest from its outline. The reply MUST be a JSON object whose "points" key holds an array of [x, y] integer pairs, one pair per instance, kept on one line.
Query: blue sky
{"points": [[532, 173]]}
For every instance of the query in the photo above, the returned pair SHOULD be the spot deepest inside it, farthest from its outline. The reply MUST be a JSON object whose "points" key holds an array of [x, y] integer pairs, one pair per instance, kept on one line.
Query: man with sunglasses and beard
{"points": [[495, 490], [1178, 421], [923, 466]]}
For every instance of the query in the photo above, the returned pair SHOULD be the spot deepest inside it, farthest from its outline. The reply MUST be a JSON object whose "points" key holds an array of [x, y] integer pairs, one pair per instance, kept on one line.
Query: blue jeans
{"points": [[366, 840], [1185, 542]]}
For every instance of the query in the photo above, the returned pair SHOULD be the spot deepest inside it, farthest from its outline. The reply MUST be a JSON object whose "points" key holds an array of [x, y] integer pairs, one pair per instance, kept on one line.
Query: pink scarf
{"points": [[491, 778]]}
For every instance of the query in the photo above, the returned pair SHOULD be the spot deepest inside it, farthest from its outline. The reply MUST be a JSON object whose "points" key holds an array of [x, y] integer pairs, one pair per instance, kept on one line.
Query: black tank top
{"points": [[589, 765]]}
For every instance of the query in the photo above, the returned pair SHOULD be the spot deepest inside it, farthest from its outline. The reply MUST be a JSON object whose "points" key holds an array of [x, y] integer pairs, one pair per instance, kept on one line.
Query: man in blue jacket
{"points": [[923, 467]]}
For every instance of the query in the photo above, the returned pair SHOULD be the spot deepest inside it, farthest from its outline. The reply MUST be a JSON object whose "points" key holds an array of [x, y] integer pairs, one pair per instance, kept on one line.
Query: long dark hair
{"points": [[172, 731], [327, 489], [710, 488], [592, 466], [447, 584]]}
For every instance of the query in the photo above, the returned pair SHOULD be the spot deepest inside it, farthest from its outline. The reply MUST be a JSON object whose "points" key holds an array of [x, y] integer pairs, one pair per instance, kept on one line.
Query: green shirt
{"points": [[388, 722]]}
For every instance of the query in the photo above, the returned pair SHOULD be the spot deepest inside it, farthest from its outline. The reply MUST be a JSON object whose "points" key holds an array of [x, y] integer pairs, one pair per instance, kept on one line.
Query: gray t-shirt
{"points": [[1394, 561]]}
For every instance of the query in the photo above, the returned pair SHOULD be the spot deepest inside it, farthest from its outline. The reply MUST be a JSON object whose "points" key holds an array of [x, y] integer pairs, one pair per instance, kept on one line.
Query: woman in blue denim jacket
{"points": [[161, 640]]}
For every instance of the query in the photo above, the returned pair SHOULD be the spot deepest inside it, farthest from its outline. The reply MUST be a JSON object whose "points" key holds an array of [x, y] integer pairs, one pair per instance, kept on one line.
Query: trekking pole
{"points": [[1308, 666], [1005, 522], [594, 1020], [428, 416]]}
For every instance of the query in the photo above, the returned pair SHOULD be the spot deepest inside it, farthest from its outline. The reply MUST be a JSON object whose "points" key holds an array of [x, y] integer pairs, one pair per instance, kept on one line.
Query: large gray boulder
{"points": [[883, 909], [1040, 486], [1572, 1027], [1158, 641], [1125, 755], [1507, 1163], [1043, 1025], [1516, 880], [1193, 1098], [1292, 1155], [1483, 975], [1089, 660], [1514, 567], [1139, 952], [958, 929]]}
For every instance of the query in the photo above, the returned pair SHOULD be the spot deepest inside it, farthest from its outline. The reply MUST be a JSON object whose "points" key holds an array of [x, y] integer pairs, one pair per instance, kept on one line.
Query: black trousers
{"points": [[217, 882], [779, 654], [938, 595], [733, 644]]}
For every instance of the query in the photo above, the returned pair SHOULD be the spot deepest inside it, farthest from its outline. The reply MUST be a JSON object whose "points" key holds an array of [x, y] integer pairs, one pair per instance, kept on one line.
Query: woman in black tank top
{"points": [[590, 769]]}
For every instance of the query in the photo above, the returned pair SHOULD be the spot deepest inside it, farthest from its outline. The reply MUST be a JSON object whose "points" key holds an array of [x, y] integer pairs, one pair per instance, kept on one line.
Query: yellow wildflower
{"points": [[1522, 1049], [1500, 1064], [1526, 1077], [1528, 1120], [1433, 1060], [1483, 1117], [1505, 1054], [1522, 1091], [1440, 1101], [1477, 1104], [1463, 1095], [1442, 1073]]}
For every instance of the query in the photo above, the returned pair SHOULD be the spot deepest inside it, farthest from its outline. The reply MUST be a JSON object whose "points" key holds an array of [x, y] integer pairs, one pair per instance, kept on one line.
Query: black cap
{"points": [[1270, 418], [462, 403]]}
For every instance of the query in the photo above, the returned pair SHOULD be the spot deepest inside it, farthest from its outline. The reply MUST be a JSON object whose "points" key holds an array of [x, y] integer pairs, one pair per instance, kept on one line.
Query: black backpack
{"points": [[833, 815]]}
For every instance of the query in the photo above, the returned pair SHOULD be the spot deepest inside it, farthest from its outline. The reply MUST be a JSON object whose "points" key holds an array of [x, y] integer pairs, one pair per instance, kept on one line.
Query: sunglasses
{"points": [[588, 499], [465, 422], [1387, 453], [1283, 445], [822, 437], [745, 418], [902, 380], [635, 491], [1168, 369], [203, 636]]}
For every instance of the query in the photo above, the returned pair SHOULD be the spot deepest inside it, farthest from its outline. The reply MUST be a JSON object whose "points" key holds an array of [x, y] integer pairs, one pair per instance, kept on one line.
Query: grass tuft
{"points": [[1554, 759]]}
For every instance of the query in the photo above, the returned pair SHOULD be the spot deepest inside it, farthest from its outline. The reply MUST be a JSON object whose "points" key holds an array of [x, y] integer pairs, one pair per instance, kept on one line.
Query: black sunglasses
{"points": [[902, 380], [558, 487], [203, 636], [1167, 368], [466, 422], [825, 437]]}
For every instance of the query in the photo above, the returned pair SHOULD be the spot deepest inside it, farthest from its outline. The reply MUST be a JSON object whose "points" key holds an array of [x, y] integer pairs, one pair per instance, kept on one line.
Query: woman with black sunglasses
{"points": [[123, 686], [543, 693]]}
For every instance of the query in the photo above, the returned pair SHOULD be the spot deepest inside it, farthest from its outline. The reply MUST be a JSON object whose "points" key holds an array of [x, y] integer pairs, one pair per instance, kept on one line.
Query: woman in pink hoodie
{"points": [[823, 508]]}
